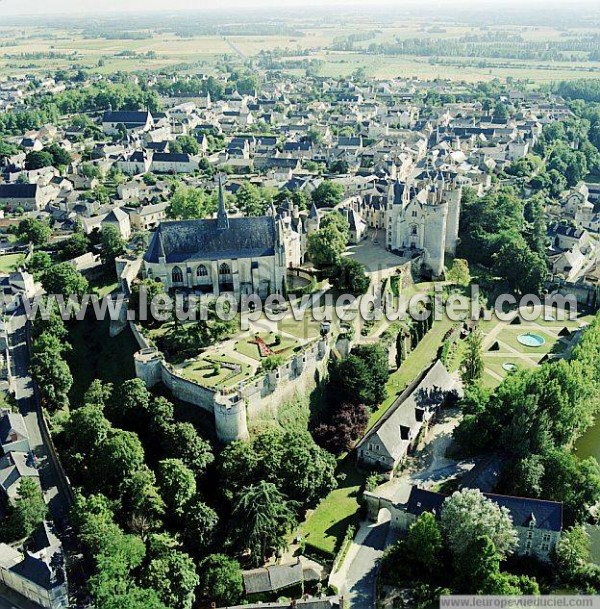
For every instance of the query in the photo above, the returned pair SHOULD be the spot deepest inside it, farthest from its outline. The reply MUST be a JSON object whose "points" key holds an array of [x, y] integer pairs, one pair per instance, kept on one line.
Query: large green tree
{"points": [[221, 580], [468, 515], [261, 521]]}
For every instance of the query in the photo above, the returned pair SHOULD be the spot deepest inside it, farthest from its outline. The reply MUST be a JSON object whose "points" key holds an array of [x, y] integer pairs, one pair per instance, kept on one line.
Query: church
{"points": [[219, 255]]}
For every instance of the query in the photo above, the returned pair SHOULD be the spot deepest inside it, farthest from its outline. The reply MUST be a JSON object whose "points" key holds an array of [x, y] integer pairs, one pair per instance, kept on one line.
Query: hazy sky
{"points": [[33, 7]]}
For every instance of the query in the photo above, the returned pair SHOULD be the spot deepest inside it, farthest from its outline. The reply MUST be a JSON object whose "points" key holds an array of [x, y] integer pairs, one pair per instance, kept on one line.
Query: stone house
{"points": [[394, 436]]}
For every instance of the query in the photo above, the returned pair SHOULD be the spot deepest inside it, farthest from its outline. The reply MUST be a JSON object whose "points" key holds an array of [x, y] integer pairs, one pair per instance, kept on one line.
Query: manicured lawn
{"points": [[104, 285], [9, 262], [246, 346], [304, 329], [202, 371], [326, 526]]}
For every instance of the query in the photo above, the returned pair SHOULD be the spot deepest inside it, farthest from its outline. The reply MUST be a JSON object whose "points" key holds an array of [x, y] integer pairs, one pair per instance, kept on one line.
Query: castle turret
{"points": [[313, 222]]}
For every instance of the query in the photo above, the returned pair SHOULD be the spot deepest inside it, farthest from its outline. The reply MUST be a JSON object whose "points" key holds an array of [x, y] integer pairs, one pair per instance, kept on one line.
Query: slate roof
{"points": [[201, 239], [12, 422], [428, 394], [565, 231], [132, 118], [548, 514], [170, 157], [18, 191], [273, 578]]}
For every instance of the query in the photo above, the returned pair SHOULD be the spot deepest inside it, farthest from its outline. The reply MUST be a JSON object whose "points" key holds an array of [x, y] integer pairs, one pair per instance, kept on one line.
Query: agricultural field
{"points": [[45, 50]]}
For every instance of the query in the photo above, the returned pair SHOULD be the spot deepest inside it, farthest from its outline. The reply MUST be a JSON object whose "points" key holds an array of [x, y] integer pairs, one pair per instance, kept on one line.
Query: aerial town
{"points": [[206, 400]]}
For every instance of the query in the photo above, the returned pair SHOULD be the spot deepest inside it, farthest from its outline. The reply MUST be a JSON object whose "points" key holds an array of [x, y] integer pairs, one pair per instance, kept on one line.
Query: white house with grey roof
{"points": [[390, 441]]}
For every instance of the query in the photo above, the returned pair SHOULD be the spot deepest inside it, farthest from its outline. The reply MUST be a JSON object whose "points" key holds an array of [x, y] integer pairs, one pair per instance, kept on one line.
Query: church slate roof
{"points": [[201, 239]]}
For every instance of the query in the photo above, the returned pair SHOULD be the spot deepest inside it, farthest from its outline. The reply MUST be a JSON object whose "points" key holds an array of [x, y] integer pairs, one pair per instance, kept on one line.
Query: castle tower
{"points": [[436, 216], [453, 196]]}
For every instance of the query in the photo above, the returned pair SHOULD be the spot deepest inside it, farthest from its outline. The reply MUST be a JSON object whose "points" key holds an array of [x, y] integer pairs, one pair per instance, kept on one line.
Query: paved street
{"points": [[23, 386], [360, 588]]}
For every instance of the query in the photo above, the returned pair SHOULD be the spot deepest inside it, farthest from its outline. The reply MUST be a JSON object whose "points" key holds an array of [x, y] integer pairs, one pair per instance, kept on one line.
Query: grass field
{"points": [[9, 262], [326, 526]]}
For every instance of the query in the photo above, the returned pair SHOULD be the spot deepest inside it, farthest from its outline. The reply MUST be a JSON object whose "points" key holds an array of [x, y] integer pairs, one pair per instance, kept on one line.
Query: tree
{"points": [[261, 521], [173, 576], [347, 424], [459, 273], [129, 406], [524, 269], [28, 511], [64, 279], [328, 194], [182, 441], [249, 200], [189, 203], [326, 245], [186, 144], [349, 277], [112, 245], [201, 522], [38, 160], [60, 157], [76, 245], [573, 553], [177, 483], [472, 361], [121, 456], [39, 262], [34, 231], [467, 515], [53, 378], [424, 541], [141, 501], [221, 580], [361, 377]]}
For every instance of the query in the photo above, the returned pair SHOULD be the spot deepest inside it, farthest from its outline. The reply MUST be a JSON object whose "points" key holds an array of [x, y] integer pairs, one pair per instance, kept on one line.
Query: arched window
{"points": [[177, 275], [202, 271], [413, 230], [224, 269]]}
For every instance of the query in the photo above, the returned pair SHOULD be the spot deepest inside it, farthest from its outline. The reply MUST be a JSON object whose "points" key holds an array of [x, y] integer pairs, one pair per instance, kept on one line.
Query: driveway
{"points": [[361, 573]]}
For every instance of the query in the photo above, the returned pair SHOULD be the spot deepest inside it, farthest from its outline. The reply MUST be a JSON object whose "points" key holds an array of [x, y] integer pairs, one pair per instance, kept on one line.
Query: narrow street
{"points": [[55, 495]]}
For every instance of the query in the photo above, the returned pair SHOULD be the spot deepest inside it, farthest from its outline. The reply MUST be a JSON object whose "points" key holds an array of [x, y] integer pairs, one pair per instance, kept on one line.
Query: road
{"points": [[56, 498], [361, 577]]}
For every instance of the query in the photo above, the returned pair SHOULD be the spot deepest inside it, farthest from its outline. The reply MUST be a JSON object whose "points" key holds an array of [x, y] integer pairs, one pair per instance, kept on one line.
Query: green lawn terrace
{"points": [[264, 344], [10, 262], [215, 370], [501, 345]]}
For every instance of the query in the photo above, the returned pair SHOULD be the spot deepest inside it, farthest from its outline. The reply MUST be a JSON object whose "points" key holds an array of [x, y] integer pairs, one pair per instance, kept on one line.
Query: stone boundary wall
{"points": [[249, 400]]}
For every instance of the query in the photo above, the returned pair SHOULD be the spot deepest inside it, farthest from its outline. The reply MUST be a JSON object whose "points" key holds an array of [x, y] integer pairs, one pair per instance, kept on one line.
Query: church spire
{"points": [[222, 218]]}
